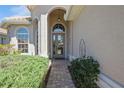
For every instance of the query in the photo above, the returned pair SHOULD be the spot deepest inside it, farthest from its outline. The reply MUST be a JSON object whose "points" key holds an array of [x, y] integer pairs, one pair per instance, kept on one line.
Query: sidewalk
{"points": [[59, 75]]}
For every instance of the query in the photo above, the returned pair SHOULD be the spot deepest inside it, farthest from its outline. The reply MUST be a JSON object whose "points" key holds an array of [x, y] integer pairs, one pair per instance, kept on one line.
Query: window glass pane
{"points": [[22, 37], [26, 45], [22, 30], [19, 46], [58, 28], [26, 50], [25, 36]]}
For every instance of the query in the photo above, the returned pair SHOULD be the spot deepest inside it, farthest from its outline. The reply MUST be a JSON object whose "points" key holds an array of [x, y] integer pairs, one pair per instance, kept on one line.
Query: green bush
{"points": [[6, 49], [21, 71], [85, 72]]}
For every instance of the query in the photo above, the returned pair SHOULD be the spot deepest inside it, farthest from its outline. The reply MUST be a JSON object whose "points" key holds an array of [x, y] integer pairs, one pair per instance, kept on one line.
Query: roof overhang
{"points": [[31, 7], [15, 20], [73, 12], [3, 31]]}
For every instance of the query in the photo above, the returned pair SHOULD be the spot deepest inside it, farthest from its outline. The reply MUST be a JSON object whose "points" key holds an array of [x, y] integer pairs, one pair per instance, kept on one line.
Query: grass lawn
{"points": [[21, 71]]}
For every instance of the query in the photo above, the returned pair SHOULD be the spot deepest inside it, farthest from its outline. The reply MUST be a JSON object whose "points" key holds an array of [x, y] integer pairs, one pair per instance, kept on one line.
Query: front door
{"points": [[58, 41], [58, 45]]}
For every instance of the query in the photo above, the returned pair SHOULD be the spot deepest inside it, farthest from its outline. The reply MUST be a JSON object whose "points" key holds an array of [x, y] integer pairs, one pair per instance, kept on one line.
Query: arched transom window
{"points": [[58, 28], [22, 38]]}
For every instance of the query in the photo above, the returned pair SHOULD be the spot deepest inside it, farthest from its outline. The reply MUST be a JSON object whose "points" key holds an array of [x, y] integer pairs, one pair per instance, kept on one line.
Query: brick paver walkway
{"points": [[59, 76]]}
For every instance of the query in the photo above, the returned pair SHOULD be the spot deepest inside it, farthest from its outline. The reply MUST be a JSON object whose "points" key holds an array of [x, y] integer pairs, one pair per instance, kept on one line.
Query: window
{"points": [[58, 28], [22, 38], [3, 40]]}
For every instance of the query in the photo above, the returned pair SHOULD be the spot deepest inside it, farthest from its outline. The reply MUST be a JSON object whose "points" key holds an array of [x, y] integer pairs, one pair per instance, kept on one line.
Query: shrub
{"points": [[7, 49], [85, 72], [21, 71]]}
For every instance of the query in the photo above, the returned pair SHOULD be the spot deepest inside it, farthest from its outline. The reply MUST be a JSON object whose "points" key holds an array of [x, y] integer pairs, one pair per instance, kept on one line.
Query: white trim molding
{"points": [[107, 82]]}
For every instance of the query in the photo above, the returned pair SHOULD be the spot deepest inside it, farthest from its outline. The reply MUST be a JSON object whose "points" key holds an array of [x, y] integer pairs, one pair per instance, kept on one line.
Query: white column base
{"points": [[71, 57], [106, 82]]}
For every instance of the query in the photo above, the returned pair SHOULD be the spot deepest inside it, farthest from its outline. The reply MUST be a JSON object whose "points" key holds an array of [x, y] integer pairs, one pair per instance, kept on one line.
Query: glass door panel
{"points": [[58, 45]]}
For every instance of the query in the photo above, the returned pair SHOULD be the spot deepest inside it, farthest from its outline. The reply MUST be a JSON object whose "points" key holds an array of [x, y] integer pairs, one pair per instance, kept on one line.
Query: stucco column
{"points": [[44, 50], [39, 37], [70, 40]]}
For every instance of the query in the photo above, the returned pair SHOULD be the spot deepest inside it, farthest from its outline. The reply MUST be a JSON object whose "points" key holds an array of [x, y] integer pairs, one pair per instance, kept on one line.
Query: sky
{"points": [[13, 10]]}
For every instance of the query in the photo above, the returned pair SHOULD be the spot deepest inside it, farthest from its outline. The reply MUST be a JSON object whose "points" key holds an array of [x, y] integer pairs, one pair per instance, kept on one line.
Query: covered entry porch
{"points": [[54, 35], [57, 34]]}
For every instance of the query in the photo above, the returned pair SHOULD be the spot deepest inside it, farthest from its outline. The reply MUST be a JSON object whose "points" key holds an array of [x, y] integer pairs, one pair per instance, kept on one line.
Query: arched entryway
{"points": [[57, 43]]}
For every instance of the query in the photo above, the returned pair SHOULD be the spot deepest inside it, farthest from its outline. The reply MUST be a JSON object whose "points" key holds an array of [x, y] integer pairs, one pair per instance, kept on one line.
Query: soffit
{"points": [[15, 20], [73, 12]]}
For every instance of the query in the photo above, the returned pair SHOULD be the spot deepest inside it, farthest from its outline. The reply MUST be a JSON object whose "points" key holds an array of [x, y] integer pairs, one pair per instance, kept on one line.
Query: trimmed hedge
{"points": [[85, 72], [21, 71]]}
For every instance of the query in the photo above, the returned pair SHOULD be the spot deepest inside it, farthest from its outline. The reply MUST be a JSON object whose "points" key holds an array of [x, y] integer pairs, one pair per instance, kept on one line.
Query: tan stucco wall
{"points": [[102, 28], [13, 39]]}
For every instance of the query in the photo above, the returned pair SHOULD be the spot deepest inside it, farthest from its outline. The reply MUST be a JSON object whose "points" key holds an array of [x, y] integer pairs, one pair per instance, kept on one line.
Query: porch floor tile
{"points": [[59, 75]]}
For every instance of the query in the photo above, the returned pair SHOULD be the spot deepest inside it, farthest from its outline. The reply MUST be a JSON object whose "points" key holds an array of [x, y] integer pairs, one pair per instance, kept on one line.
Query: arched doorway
{"points": [[58, 41], [57, 26]]}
